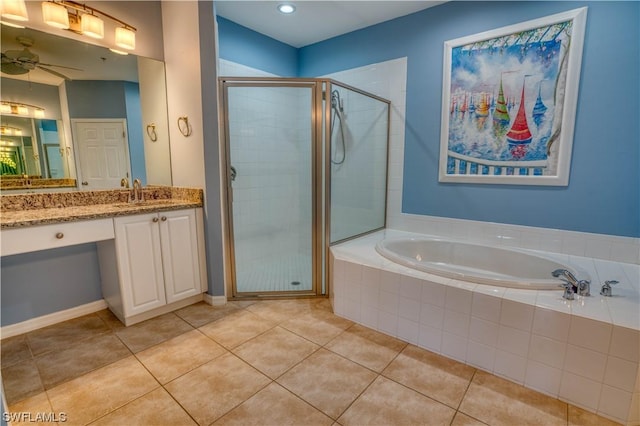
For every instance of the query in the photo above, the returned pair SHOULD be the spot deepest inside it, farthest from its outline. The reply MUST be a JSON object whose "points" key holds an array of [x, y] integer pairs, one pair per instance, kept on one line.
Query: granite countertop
{"points": [[41, 209]]}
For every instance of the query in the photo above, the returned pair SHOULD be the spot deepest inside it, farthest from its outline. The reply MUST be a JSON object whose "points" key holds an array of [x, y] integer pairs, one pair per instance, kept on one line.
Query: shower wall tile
{"points": [[614, 403], [585, 363], [510, 366], [551, 324], [621, 374], [408, 330], [454, 346], [481, 356], [543, 378], [482, 331], [547, 351], [486, 307], [431, 315], [513, 341], [430, 338], [579, 390], [625, 344], [456, 323], [590, 334], [516, 315]]}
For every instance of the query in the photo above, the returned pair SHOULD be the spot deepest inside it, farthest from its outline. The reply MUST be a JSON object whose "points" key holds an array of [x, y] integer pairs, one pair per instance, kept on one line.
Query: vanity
{"points": [[151, 253]]}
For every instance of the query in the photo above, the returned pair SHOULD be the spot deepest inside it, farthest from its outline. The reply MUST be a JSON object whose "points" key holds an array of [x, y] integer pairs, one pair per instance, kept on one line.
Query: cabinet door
{"points": [[178, 235], [139, 263]]}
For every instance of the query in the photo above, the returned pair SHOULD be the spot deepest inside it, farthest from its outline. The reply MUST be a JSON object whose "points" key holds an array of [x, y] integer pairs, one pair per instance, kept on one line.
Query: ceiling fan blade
{"points": [[56, 73], [8, 60], [60, 66], [12, 69]]}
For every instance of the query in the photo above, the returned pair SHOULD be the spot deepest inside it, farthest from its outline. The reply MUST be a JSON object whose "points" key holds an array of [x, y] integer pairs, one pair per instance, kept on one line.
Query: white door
{"points": [[54, 161], [178, 233], [103, 153], [139, 263]]}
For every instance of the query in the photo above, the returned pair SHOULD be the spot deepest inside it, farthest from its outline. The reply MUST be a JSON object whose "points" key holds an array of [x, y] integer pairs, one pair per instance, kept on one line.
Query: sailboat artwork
{"points": [[509, 102]]}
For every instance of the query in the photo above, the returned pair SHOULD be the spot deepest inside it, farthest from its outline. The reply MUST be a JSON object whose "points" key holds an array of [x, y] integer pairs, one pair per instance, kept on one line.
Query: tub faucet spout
{"points": [[581, 287]]}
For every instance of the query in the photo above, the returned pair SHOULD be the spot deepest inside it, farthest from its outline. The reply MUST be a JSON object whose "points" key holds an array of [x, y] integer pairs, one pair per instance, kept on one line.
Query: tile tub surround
{"points": [[36, 209], [585, 352]]}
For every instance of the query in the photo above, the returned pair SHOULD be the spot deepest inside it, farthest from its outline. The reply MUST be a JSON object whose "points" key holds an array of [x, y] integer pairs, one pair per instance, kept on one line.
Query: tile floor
{"points": [[256, 363]]}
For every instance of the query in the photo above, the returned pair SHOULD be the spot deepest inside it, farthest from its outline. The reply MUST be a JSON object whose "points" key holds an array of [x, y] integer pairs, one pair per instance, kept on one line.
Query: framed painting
{"points": [[509, 102]]}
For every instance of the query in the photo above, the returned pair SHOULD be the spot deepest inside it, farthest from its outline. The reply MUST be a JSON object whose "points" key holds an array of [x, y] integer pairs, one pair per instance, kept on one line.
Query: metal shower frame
{"points": [[320, 182]]}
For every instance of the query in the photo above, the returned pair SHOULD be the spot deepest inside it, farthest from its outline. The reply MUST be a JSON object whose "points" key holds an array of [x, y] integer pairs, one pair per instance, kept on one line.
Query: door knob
{"points": [[164, 218], [155, 219], [85, 182]]}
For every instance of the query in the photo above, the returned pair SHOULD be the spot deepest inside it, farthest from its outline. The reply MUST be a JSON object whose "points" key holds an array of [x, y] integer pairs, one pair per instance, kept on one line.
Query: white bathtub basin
{"points": [[475, 263]]}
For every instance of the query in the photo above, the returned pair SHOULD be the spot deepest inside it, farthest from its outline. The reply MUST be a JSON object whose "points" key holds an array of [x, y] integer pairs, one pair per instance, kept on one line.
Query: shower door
{"points": [[271, 151]]}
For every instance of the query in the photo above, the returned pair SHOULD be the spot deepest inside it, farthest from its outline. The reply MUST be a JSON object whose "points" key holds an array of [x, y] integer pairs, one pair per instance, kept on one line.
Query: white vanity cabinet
{"points": [[158, 260]]}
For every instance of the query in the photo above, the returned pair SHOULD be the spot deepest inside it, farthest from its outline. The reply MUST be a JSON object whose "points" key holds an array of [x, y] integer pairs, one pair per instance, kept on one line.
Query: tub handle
{"points": [[568, 291], [606, 288]]}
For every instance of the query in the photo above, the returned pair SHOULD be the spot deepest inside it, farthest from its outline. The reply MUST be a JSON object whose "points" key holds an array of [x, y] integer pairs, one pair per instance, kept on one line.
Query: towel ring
{"points": [[151, 132], [184, 126]]}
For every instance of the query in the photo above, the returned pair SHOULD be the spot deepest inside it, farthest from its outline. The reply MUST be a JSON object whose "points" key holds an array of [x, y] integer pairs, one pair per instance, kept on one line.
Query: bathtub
{"points": [[475, 263], [582, 351]]}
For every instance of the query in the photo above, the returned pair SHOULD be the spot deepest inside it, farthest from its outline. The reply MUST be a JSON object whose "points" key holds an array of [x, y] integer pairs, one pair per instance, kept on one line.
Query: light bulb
{"points": [[55, 15], [286, 8], [125, 38], [14, 9], [92, 26]]}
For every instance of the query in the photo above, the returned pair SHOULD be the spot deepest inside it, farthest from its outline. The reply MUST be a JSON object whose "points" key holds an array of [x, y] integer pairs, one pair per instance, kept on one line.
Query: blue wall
{"points": [[244, 46], [47, 281], [603, 195]]}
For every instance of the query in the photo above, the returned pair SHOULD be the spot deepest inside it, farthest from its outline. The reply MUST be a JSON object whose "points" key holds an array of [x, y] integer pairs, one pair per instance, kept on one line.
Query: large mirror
{"points": [[79, 116]]}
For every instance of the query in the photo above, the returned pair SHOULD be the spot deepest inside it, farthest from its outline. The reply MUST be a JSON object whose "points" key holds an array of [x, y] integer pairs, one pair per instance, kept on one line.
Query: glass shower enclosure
{"points": [[306, 167]]}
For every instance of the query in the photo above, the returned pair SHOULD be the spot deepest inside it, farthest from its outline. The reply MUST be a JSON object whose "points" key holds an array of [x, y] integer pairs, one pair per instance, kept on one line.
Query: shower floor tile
{"points": [[276, 273], [257, 363]]}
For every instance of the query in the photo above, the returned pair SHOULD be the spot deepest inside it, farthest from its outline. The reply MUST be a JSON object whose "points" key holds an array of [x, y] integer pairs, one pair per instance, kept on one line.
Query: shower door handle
{"points": [[234, 173]]}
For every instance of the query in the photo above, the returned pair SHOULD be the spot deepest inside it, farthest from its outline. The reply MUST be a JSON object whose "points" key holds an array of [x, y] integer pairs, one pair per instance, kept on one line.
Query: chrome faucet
{"points": [[137, 191], [606, 288], [124, 182], [581, 287]]}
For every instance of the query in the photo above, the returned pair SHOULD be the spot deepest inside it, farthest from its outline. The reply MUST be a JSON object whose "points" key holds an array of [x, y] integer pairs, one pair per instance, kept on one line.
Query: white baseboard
{"points": [[215, 300], [50, 319]]}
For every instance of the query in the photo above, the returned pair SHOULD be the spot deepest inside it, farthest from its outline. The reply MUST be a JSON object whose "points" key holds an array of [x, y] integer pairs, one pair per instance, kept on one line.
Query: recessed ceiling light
{"points": [[286, 8]]}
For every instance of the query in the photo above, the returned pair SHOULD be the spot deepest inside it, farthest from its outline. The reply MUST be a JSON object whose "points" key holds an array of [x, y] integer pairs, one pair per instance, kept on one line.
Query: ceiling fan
{"points": [[16, 62]]}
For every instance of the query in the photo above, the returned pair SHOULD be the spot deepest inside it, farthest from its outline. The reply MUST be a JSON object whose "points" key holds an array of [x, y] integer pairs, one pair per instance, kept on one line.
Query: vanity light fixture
{"points": [[10, 131], [74, 16], [15, 10], [18, 108], [286, 8]]}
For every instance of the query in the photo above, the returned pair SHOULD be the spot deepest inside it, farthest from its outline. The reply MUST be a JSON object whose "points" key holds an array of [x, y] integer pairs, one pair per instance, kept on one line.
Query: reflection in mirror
{"points": [[97, 106], [33, 149]]}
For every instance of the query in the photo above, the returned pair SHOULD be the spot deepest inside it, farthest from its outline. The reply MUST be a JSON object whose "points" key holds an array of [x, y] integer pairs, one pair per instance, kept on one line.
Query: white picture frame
{"points": [[509, 102]]}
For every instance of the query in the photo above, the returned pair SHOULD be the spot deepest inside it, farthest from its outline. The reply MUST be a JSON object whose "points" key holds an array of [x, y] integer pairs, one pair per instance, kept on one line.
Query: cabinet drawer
{"points": [[42, 237]]}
